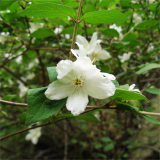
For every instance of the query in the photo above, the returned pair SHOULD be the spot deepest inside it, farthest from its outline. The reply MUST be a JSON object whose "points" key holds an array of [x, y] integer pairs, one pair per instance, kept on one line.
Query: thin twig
{"points": [[42, 66], [13, 103], [149, 113], [15, 75]]}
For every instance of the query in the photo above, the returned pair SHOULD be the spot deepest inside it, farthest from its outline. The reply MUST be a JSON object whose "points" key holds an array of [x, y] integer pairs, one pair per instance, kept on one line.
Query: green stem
{"points": [[75, 28], [149, 113]]}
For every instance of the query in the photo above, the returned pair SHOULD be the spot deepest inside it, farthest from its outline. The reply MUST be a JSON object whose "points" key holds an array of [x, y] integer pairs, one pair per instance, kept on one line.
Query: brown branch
{"points": [[42, 66], [15, 75], [48, 123], [13, 103]]}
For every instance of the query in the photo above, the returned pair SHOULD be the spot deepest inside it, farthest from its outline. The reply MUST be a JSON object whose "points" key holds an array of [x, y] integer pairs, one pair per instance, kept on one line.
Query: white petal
{"points": [[75, 52], [103, 54], [63, 67], [98, 86], [82, 51], [58, 90], [82, 40], [77, 102], [131, 87], [93, 40], [110, 76], [28, 136], [34, 140]]}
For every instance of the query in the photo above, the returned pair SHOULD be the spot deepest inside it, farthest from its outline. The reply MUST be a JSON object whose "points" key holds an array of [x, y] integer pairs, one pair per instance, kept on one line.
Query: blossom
{"points": [[58, 30], [35, 26], [23, 89], [94, 49], [124, 57], [34, 135], [118, 29], [131, 88], [137, 18], [88, 46], [76, 80], [150, 48], [97, 54]]}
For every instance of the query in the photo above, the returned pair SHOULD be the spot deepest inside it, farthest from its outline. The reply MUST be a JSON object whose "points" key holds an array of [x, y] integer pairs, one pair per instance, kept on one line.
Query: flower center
{"points": [[95, 54], [78, 82]]}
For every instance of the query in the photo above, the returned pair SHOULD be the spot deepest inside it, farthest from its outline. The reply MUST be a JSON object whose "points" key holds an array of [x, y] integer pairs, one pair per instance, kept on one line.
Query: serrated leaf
{"points": [[22, 117], [126, 107], [52, 73], [150, 119], [153, 90], [148, 67], [50, 10], [128, 95], [4, 4], [104, 16], [39, 107], [42, 33], [146, 24], [85, 117]]}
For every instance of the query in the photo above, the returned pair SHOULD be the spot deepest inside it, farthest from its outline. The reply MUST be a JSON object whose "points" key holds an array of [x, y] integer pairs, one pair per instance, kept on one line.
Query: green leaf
{"points": [[153, 90], [4, 4], [148, 67], [106, 139], [111, 33], [108, 147], [125, 3], [49, 10], [10, 97], [128, 95], [146, 24], [150, 119], [52, 73], [104, 3], [39, 107], [126, 87], [85, 117], [22, 117], [115, 83], [126, 107], [42, 33], [104, 16]]}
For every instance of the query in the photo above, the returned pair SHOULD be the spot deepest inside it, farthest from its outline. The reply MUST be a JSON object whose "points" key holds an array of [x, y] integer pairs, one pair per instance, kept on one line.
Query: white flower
{"points": [[118, 29], [97, 54], [150, 48], [3, 38], [88, 46], [33, 135], [135, 1], [137, 18], [131, 88], [58, 30], [35, 26], [124, 57], [151, 1], [77, 80], [23, 89]]}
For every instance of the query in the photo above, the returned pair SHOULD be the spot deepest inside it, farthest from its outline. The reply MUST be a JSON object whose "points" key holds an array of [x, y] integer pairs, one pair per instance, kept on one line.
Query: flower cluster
{"points": [[93, 49], [80, 79]]}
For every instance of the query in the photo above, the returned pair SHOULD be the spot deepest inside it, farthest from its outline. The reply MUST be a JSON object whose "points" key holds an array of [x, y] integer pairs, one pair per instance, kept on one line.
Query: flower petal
{"points": [[110, 76], [103, 54], [63, 67], [93, 40], [58, 90], [98, 86], [75, 52], [131, 87], [77, 102], [82, 40], [34, 140], [82, 51], [28, 136]]}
